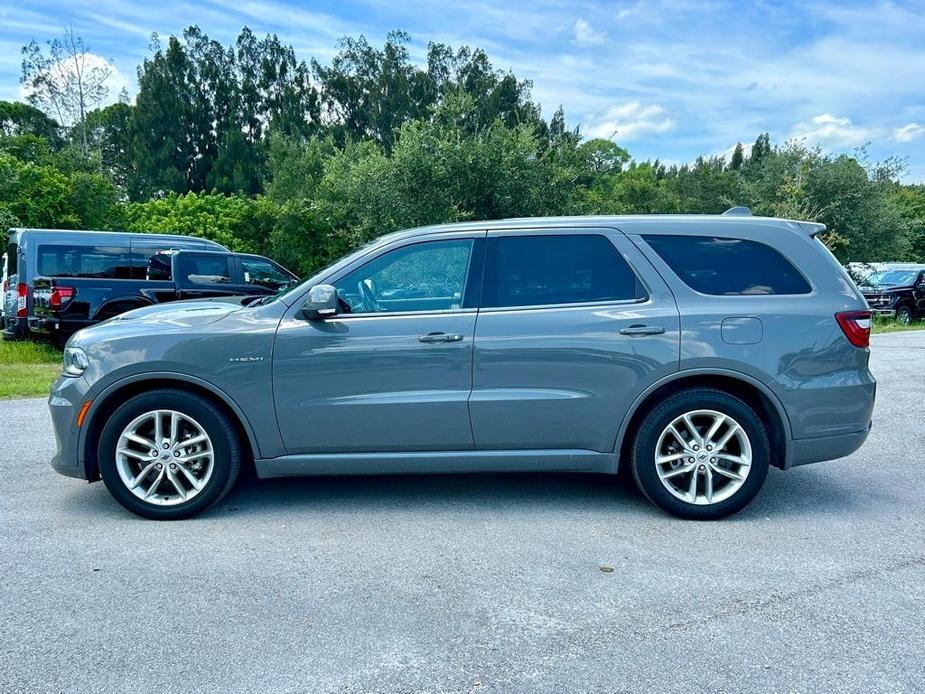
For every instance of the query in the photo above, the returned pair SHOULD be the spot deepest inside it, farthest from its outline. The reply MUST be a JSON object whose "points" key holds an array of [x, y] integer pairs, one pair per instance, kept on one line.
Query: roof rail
{"points": [[738, 211]]}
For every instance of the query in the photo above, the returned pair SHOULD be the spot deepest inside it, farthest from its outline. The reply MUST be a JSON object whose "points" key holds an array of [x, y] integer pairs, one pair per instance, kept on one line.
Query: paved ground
{"points": [[479, 583]]}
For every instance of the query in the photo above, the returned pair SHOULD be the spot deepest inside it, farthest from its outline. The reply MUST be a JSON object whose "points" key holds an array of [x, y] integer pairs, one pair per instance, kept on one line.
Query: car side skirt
{"points": [[400, 463]]}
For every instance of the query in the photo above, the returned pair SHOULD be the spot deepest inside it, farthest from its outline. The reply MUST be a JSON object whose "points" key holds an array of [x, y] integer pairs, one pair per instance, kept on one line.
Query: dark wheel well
{"points": [[114, 308], [121, 396], [746, 392]]}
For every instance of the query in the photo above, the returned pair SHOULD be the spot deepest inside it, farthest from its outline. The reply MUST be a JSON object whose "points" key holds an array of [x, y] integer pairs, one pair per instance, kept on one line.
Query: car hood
{"points": [[879, 289], [182, 314]]}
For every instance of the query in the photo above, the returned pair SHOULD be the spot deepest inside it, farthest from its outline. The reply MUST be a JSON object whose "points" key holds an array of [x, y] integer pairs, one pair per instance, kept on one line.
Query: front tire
{"points": [[904, 315], [701, 454], [169, 454]]}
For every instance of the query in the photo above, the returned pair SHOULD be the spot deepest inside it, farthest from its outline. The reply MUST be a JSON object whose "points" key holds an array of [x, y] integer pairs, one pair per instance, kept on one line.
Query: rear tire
{"points": [[692, 470], [178, 470]]}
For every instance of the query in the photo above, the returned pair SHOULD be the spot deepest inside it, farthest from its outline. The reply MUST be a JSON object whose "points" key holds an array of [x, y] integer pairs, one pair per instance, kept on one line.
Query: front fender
{"points": [[160, 379]]}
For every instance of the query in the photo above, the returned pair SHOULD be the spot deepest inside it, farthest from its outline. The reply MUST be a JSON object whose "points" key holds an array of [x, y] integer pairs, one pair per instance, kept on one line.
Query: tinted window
{"points": [[541, 270], [430, 276], [721, 266], [157, 267], [263, 273], [85, 261], [12, 254], [204, 269], [151, 262]]}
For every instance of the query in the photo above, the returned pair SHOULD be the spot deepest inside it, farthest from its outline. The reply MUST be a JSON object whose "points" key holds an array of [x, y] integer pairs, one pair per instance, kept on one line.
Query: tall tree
{"points": [[738, 157], [68, 81]]}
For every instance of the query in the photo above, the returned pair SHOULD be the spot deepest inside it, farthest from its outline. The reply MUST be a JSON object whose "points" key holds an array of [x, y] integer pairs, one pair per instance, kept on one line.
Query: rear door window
{"points": [[728, 267], [555, 269], [204, 269], [105, 262], [12, 255]]}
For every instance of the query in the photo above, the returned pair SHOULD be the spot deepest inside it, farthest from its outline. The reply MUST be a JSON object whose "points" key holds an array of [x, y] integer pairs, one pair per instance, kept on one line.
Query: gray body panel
{"points": [[529, 388]]}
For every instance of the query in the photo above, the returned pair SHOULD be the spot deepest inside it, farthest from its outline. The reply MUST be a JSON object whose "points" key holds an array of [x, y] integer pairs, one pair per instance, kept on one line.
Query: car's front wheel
{"points": [[169, 454], [701, 454], [904, 315]]}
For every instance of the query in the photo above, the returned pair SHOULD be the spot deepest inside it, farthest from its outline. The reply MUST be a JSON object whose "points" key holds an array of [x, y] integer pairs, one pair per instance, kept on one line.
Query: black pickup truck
{"points": [[76, 279], [897, 291]]}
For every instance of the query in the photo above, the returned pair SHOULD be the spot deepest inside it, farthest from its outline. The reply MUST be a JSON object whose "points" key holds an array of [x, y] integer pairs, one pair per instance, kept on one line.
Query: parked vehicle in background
{"points": [[697, 350], [896, 290], [68, 280]]}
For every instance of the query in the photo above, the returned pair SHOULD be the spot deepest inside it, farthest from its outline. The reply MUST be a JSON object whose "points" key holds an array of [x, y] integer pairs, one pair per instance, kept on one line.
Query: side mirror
{"points": [[321, 302]]}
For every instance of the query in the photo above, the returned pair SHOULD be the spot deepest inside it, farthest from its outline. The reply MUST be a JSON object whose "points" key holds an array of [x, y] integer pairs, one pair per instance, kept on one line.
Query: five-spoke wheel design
{"points": [[703, 457], [164, 457]]}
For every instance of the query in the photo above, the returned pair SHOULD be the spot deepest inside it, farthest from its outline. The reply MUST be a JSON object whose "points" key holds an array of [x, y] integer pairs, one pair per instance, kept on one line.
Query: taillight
{"points": [[856, 326], [60, 297], [22, 291]]}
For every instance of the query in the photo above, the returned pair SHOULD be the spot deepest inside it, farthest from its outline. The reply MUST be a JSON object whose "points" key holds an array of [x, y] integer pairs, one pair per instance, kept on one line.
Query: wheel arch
{"points": [[120, 392], [754, 393]]}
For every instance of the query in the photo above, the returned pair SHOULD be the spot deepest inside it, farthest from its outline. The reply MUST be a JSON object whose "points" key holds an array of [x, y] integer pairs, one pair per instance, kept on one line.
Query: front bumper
{"points": [[64, 403]]}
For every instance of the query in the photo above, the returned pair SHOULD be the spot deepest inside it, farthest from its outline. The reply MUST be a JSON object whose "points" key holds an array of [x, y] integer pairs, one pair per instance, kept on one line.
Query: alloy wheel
{"points": [[703, 457], [164, 457]]}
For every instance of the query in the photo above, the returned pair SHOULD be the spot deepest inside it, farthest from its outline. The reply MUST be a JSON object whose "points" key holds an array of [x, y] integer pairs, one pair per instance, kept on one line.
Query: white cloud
{"points": [[826, 129], [587, 35], [908, 133], [629, 120], [116, 82]]}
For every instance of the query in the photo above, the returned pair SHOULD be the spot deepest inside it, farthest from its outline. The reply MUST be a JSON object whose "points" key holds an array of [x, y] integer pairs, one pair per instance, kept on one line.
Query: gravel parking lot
{"points": [[474, 583]]}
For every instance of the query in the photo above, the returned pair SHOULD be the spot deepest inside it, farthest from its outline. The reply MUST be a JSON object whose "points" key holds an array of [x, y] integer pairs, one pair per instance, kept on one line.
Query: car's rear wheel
{"points": [[701, 454], [169, 454]]}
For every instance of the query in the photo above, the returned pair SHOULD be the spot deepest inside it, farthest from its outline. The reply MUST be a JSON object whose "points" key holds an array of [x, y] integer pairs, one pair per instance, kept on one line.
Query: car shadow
{"points": [[801, 492]]}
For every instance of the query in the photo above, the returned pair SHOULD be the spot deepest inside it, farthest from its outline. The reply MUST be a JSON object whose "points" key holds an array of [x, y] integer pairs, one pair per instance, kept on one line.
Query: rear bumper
{"points": [[820, 448], [55, 326], [15, 328]]}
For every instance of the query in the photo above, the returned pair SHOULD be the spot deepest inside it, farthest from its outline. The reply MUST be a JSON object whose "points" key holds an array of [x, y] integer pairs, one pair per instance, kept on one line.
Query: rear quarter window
{"points": [[728, 267]]}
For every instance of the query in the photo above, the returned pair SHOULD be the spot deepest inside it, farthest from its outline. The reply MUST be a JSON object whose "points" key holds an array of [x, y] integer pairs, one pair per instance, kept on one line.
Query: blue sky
{"points": [[665, 78]]}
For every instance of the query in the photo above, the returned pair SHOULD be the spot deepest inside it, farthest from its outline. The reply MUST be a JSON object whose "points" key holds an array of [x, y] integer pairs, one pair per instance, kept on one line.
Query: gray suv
{"points": [[697, 350]]}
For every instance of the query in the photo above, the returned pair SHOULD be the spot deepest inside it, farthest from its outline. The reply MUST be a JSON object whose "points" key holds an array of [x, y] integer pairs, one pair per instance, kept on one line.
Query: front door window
{"points": [[430, 276]]}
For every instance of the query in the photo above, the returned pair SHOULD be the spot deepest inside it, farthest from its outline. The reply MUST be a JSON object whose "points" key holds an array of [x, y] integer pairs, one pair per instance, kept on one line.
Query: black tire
{"points": [[225, 444], [642, 460], [904, 315]]}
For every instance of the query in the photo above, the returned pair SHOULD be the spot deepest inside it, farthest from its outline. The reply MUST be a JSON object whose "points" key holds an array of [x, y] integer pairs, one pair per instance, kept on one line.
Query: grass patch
{"points": [[27, 369], [888, 325]]}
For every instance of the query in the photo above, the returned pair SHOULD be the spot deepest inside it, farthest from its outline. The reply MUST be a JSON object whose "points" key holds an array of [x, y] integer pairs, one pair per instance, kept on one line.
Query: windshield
{"points": [[891, 278]]}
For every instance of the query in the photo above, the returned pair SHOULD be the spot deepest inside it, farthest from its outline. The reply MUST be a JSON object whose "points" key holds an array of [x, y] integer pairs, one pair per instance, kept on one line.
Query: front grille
{"points": [[878, 300]]}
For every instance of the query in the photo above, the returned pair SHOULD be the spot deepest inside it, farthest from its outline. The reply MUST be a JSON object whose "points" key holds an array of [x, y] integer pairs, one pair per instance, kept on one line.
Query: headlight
{"points": [[75, 361]]}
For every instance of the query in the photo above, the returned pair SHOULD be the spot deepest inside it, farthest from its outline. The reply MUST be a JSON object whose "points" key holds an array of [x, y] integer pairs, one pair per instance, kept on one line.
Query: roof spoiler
{"points": [[812, 228], [740, 211]]}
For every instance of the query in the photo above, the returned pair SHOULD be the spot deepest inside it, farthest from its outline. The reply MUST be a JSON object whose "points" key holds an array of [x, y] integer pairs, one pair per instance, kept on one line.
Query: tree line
{"points": [[250, 146]]}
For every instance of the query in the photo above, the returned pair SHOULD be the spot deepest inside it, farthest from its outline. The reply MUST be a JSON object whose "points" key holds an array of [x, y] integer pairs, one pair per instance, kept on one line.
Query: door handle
{"points": [[638, 330], [441, 337]]}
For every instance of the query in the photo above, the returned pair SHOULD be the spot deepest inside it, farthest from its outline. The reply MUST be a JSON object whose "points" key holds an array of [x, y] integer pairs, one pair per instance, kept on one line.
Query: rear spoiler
{"points": [[812, 228]]}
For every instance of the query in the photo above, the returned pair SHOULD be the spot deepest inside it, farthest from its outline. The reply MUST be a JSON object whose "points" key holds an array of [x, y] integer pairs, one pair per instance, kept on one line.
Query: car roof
{"points": [[631, 224], [17, 232]]}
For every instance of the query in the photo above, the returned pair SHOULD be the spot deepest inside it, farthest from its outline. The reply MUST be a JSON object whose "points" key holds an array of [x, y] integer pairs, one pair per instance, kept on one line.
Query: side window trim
{"points": [[640, 284], [474, 272]]}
